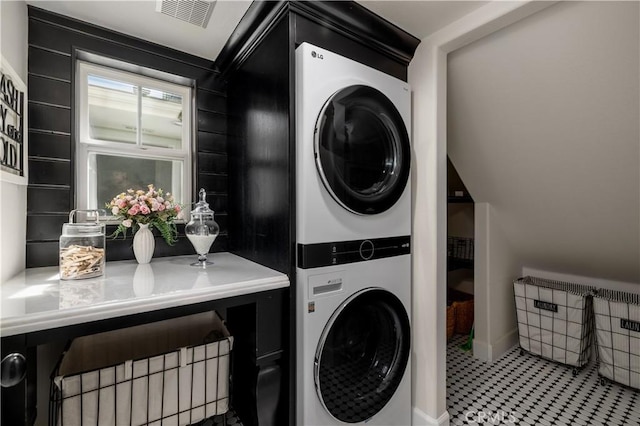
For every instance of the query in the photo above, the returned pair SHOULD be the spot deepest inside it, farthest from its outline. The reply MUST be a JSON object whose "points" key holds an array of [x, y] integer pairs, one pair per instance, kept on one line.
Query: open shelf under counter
{"points": [[36, 299]]}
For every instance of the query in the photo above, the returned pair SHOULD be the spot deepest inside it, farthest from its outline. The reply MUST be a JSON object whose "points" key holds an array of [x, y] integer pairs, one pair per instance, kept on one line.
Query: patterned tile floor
{"points": [[526, 390]]}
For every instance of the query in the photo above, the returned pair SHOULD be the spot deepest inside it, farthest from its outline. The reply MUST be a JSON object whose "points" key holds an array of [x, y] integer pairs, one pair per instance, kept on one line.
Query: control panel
{"points": [[341, 252]]}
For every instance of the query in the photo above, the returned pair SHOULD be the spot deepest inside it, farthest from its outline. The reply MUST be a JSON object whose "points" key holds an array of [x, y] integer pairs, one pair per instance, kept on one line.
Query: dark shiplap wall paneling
{"points": [[51, 190], [261, 191]]}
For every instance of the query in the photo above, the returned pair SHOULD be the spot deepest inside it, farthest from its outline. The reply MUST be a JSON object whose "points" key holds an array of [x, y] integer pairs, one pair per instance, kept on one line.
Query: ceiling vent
{"points": [[196, 12]]}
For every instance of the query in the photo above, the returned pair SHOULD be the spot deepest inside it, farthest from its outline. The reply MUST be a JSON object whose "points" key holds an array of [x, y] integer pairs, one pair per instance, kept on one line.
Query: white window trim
{"points": [[85, 145]]}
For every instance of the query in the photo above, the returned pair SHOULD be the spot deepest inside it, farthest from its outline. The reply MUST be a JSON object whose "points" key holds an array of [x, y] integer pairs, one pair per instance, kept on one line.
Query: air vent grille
{"points": [[196, 12]]}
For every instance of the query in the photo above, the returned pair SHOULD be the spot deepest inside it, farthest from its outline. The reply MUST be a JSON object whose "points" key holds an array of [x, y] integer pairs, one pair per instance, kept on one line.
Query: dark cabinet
{"points": [[258, 66], [256, 321]]}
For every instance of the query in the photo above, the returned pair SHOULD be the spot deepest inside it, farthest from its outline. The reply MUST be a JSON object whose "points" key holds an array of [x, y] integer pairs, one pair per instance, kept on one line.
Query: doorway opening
{"points": [[460, 258]]}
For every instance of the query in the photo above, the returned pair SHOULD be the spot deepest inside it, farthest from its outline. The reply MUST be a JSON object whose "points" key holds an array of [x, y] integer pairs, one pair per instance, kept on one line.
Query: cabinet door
{"points": [[18, 391]]}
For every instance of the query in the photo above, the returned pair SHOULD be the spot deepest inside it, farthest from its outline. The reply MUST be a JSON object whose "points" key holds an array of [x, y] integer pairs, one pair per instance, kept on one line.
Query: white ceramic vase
{"points": [[143, 244]]}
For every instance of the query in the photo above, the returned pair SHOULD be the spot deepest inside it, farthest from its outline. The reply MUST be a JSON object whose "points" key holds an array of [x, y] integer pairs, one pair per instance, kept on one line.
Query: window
{"points": [[133, 131]]}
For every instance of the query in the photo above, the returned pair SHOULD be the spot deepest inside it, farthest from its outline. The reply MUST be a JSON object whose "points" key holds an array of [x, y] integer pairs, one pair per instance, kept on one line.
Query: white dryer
{"points": [[353, 152], [353, 344]]}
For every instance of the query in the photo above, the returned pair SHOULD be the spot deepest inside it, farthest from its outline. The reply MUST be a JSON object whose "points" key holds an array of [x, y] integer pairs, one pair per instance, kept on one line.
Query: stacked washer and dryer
{"points": [[353, 242]]}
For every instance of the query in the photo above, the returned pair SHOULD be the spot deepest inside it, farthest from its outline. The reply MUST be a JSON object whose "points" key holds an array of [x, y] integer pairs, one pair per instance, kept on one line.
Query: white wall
{"points": [[495, 268], [544, 124], [13, 45], [429, 234], [428, 78]]}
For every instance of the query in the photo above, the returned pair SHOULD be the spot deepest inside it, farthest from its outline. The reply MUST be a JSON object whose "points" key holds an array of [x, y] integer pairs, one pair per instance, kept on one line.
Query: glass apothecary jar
{"points": [[82, 248], [202, 229]]}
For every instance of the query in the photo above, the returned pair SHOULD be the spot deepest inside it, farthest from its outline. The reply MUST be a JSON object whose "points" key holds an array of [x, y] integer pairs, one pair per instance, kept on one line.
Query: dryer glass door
{"points": [[362, 355], [362, 150]]}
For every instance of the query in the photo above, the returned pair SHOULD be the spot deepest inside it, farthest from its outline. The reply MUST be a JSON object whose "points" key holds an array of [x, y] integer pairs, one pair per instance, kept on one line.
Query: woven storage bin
{"points": [[618, 336], [173, 372], [464, 316], [451, 320], [555, 319]]}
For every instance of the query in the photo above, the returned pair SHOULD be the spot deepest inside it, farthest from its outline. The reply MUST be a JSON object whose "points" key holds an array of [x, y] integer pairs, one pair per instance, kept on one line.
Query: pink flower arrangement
{"points": [[152, 207]]}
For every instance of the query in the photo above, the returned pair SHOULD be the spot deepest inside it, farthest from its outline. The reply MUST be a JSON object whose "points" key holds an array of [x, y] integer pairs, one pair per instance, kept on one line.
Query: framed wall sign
{"points": [[13, 125]]}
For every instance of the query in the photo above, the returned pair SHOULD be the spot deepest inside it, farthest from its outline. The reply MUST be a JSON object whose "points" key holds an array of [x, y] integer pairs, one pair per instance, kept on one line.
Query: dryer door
{"points": [[362, 355], [362, 150]]}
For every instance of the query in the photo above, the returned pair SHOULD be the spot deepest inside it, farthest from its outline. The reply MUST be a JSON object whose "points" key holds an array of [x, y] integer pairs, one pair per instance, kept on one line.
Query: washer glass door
{"points": [[362, 355], [362, 150]]}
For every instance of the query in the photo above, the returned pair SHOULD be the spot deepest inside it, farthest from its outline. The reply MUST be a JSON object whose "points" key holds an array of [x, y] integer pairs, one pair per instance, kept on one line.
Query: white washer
{"points": [[353, 150], [353, 344]]}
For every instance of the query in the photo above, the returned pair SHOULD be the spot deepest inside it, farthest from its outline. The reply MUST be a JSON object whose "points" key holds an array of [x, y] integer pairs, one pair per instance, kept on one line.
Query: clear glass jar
{"points": [[82, 249], [202, 229]]}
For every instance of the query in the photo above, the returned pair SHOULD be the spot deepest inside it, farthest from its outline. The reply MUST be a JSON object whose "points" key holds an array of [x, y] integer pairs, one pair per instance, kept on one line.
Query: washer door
{"points": [[362, 355], [362, 150]]}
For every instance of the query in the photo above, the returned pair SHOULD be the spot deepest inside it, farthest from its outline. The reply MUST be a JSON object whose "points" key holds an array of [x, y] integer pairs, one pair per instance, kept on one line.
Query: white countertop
{"points": [[37, 300]]}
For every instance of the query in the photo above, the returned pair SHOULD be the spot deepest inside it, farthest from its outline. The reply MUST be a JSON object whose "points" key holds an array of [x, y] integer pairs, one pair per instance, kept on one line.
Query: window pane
{"points": [[115, 174], [161, 118], [113, 109]]}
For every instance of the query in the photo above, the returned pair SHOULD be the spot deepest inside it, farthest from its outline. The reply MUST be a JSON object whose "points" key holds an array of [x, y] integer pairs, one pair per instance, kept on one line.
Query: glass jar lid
{"points": [[84, 228], [202, 207]]}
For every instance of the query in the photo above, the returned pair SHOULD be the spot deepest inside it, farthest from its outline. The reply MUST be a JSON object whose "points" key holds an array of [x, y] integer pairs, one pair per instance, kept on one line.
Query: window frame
{"points": [[86, 145]]}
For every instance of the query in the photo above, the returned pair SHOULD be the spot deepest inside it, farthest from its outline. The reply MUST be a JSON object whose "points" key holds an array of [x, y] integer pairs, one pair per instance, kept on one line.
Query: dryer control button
{"points": [[366, 249]]}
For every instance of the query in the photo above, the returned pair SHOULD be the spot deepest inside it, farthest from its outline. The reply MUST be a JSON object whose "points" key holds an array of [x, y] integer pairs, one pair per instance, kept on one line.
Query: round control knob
{"points": [[12, 370], [366, 249]]}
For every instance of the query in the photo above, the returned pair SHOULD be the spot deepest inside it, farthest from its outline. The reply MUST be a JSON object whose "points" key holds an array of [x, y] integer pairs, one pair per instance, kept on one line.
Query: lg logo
{"points": [[316, 55]]}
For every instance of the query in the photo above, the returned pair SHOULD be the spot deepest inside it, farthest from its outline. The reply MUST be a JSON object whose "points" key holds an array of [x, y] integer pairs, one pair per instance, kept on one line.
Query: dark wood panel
{"points": [[49, 145], [311, 32], [46, 117], [212, 122], [217, 202], [65, 40], [212, 183], [221, 220], [19, 401], [122, 249], [211, 101], [42, 254], [216, 163], [47, 172], [212, 142], [50, 64], [260, 190], [45, 200], [50, 33], [45, 227], [48, 36], [354, 24], [84, 29], [42, 89]]}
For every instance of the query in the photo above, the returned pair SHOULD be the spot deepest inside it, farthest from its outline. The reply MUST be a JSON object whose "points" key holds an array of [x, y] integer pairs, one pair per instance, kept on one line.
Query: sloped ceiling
{"points": [[544, 124]]}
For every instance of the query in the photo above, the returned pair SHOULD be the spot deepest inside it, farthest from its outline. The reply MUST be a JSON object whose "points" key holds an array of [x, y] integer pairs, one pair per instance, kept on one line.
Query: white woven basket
{"points": [[555, 319], [169, 372]]}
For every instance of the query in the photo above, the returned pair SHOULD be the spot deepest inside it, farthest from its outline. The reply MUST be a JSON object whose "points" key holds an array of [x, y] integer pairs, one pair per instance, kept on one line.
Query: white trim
{"points": [[87, 146], [428, 77], [489, 353], [481, 350], [421, 419], [504, 344]]}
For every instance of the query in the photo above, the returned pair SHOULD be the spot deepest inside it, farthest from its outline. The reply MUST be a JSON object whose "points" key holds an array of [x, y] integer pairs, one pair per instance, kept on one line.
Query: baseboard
{"points": [[489, 353], [421, 419], [505, 343], [481, 350]]}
